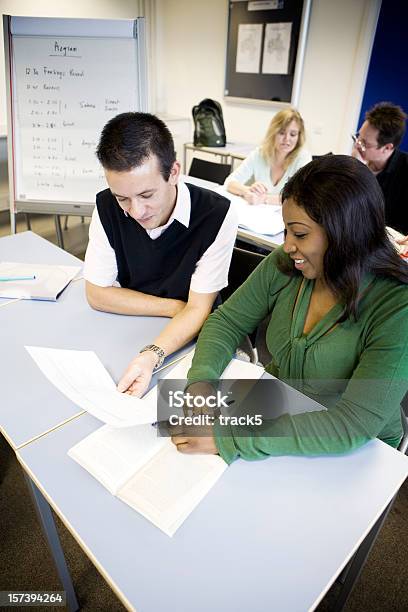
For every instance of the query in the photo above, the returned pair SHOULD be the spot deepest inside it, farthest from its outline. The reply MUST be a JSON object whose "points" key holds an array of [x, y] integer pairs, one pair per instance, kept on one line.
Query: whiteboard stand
{"points": [[65, 79]]}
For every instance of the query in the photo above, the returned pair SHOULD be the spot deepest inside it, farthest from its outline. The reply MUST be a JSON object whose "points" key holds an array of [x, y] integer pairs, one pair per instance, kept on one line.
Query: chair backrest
{"points": [[209, 171], [403, 445], [323, 155], [242, 264]]}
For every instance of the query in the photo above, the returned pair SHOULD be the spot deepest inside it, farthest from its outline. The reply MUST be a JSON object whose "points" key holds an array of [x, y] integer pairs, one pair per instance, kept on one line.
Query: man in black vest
{"points": [[157, 246]]}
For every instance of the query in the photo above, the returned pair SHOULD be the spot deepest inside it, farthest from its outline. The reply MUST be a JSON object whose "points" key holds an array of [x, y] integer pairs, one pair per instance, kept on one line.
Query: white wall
{"points": [[96, 9], [191, 48]]}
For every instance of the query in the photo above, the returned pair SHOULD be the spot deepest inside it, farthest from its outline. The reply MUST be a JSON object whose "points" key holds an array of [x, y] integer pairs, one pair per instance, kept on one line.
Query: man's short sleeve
{"points": [[211, 273], [100, 261]]}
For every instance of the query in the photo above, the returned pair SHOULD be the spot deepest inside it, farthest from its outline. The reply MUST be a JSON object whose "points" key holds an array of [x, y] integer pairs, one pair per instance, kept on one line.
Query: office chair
{"points": [[323, 155], [403, 445], [242, 264], [209, 171]]}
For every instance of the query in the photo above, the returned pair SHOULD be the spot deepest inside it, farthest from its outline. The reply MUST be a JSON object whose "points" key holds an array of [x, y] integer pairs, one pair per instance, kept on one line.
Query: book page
{"points": [[170, 485], [94, 392], [113, 455], [37, 281]]}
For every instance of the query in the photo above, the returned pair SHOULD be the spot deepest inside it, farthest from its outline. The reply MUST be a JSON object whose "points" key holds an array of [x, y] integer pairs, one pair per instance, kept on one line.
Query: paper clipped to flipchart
{"points": [[29, 281]]}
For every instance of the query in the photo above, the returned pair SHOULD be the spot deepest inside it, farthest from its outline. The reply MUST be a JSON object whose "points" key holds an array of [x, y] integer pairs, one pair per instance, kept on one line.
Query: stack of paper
{"points": [[261, 218], [34, 281]]}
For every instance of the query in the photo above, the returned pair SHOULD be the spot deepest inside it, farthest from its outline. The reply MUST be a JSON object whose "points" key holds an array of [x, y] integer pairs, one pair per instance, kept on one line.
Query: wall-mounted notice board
{"points": [[265, 50], [65, 79]]}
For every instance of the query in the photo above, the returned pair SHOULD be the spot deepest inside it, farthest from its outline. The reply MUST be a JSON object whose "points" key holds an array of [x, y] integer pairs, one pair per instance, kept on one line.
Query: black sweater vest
{"points": [[162, 267]]}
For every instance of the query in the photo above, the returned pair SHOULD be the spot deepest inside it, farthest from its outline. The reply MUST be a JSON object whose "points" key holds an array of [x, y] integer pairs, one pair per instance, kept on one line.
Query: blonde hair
{"points": [[280, 122]]}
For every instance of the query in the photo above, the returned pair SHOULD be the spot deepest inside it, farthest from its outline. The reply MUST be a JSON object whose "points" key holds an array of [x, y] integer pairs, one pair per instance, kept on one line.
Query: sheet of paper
{"points": [[113, 455], [170, 485], [48, 283], [81, 376], [249, 47], [276, 48]]}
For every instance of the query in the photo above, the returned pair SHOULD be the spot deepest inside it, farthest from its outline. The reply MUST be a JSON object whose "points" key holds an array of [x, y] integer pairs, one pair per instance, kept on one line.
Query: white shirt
{"points": [[211, 272]]}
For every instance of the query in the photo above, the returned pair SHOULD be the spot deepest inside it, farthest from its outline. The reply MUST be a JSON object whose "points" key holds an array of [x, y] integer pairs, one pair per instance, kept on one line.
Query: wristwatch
{"points": [[155, 349]]}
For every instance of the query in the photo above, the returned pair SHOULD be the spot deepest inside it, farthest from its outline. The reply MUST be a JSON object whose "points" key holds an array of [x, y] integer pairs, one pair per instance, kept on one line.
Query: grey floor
{"points": [[25, 563]]}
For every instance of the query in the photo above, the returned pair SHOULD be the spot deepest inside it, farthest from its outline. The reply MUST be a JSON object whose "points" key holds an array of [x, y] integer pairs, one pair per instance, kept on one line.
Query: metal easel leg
{"points": [[50, 531], [58, 229], [12, 222]]}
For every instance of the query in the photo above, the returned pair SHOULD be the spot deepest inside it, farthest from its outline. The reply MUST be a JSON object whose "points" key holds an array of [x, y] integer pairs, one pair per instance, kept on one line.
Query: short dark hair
{"points": [[129, 139], [389, 120], [343, 196]]}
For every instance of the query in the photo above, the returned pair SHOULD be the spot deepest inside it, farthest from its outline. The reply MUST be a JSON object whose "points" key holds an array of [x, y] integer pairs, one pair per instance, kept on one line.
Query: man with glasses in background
{"points": [[376, 145]]}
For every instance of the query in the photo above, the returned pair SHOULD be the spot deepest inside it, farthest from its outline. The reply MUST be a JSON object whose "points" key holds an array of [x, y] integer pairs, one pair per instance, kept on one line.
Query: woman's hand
{"points": [[196, 439], [255, 197], [193, 444], [259, 188]]}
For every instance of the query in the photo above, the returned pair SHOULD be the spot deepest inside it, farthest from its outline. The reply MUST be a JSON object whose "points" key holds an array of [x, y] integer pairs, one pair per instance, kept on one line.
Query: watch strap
{"points": [[158, 351]]}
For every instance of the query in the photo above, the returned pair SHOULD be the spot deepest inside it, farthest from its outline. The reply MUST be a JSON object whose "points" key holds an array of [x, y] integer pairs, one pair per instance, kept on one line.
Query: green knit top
{"points": [[358, 369]]}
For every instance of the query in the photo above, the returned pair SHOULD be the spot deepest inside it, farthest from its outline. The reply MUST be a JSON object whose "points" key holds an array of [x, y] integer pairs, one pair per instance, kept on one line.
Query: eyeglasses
{"points": [[363, 145]]}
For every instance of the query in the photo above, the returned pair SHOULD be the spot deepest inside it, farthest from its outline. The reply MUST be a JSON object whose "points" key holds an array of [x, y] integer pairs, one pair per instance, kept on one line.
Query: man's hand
{"points": [[356, 153], [136, 379], [404, 244]]}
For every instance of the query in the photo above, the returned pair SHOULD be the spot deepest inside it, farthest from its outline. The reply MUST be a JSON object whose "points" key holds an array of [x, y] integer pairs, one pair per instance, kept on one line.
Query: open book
{"points": [[29, 281], [146, 471]]}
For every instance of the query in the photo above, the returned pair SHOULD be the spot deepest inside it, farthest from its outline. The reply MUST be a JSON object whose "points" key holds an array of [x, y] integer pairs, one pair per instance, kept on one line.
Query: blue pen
{"points": [[16, 278]]}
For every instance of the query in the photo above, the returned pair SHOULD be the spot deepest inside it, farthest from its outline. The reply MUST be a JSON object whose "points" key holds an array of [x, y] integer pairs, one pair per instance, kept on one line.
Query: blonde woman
{"points": [[263, 174]]}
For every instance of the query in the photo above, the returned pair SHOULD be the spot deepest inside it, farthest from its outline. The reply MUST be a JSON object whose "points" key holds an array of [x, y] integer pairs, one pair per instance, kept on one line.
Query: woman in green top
{"points": [[337, 293]]}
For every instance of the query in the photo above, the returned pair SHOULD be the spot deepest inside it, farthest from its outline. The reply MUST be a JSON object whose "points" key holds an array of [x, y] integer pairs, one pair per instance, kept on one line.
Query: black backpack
{"points": [[209, 130]]}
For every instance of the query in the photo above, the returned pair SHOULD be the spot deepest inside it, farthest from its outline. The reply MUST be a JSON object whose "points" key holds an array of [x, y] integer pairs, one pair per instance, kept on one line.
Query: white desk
{"points": [[30, 404], [271, 535]]}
